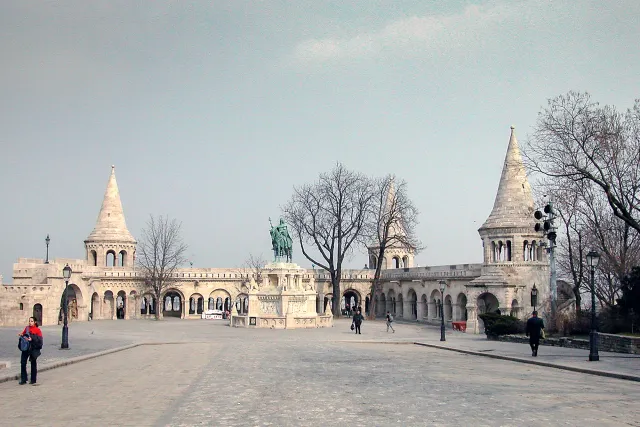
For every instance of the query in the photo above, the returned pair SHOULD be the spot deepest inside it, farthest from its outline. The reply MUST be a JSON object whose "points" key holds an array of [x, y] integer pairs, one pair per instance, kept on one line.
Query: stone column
{"points": [[472, 320], [320, 308], [183, 314]]}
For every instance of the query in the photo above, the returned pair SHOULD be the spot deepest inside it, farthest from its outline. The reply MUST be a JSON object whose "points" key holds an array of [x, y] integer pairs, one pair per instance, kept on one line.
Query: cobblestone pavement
{"points": [[241, 377]]}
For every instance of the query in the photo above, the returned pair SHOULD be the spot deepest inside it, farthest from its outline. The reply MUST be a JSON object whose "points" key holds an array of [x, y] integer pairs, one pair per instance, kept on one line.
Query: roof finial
{"points": [[513, 127]]}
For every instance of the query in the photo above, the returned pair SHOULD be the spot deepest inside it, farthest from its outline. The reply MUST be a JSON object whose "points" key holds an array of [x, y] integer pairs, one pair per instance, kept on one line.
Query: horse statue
{"points": [[281, 242]]}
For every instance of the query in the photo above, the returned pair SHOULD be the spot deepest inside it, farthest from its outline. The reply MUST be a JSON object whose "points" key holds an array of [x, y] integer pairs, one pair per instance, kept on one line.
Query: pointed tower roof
{"points": [[396, 227], [111, 225], [513, 206]]}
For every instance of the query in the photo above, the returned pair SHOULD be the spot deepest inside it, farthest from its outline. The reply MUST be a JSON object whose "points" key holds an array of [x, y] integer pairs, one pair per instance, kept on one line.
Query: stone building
{"points": [[105, 285]]}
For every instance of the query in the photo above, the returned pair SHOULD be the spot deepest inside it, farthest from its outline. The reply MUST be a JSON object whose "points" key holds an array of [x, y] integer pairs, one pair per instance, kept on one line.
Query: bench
{"points": [[459, 326]]}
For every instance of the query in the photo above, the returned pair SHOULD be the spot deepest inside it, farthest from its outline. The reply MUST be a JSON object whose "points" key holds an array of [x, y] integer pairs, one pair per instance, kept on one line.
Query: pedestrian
{"points": [[534, 330], [357, 320], [33, 335], [389, 322]]}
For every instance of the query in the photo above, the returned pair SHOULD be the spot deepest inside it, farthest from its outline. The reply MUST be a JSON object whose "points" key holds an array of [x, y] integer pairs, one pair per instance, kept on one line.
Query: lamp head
{"points": [[534, 291], [593, 258], [47, 240], [443, 286], [66, 272]]}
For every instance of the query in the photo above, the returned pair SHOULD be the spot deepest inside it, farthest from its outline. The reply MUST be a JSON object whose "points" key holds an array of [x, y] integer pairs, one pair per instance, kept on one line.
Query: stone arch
{"points": [[412, 305], [462, 307], [37, 313], [196, 304], [172, 303], [242, 304], [486, 303], [352, 294], [515, 308], [434, 303], [400, 305], [328, 299], [108, 311], [147, 304], [396, 262], [448, 308], [121, 305], [373, 262], [75, 302], [222, 299], [110, 258], [122, 258]]}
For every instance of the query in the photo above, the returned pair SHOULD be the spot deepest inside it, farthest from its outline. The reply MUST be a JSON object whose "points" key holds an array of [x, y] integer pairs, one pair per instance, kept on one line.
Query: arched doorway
{"points": [[351, 300], [328, 299], [109, 306], [242, 304], [121, 304], [172, 304], [74, 300], [462, 307], [400, 306], [448, 308], [487, 303], [412, 302], [147, 305], [391, 302], [196, 304], [382, 307], [425, 306], [37, 313]]}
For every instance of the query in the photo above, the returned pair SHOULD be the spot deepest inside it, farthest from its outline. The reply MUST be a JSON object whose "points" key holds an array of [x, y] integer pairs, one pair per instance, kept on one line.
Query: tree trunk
{"points": [[337, 298]]}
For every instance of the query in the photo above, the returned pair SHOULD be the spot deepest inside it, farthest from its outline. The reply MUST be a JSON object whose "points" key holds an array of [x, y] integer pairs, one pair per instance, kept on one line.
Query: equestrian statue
{"points": [[281, 242]]}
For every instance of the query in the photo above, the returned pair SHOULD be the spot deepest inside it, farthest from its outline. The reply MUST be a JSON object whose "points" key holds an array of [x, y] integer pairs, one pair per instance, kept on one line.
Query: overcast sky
{"points": [[213, 111]]}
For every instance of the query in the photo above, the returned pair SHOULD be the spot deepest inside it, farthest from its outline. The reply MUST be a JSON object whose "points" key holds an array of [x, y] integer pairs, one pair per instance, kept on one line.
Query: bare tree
{"points": [[253, 267], [578, 140], [329, 216], [160, 252], [392, 221]]}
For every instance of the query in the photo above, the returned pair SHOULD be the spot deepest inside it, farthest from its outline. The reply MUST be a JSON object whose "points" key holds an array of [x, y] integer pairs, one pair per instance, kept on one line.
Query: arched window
{"points": [[122, 256], [508, 250], [493, 252], [111, 259], [396, 262], [93, 258], [525, 250], [405, 262]]}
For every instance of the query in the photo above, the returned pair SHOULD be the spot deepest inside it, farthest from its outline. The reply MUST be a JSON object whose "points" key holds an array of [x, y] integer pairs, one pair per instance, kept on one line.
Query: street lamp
{"points": [[443, 285], [66, 273], [592, 261], [47, 240], [534, 297]]}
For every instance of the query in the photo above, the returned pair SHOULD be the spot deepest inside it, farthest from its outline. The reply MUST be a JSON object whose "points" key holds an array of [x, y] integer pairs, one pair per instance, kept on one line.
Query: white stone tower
{"points": [[514, 256], [397, 255], [110, 244]]}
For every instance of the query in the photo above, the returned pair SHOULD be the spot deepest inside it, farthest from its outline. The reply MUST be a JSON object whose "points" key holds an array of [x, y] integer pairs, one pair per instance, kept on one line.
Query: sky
{"points": [[213, 111]]}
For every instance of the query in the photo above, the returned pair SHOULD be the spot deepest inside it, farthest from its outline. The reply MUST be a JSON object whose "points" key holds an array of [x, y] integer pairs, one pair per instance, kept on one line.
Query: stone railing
{"points": [[606, 342]]}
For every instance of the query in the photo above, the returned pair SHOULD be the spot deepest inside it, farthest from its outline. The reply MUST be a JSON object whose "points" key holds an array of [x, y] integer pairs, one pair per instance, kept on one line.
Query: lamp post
{"points": [[443, 285], [592, 261], [534, 297], [47, 240], [66, 273]]}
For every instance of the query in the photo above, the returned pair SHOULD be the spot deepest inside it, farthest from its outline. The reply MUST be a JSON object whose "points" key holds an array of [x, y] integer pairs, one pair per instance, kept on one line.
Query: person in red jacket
{"points": [[35, 338]]}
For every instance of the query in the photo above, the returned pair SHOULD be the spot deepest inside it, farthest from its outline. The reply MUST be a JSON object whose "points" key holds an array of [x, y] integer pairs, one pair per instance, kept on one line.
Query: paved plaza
{"points": [[210, 374]]}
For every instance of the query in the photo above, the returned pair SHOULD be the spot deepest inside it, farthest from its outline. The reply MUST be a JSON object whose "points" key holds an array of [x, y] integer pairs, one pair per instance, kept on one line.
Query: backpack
{"points": [[23, 344], [390, 318]]}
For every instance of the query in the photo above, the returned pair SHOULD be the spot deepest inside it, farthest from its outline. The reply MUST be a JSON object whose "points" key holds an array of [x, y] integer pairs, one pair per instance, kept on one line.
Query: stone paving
{"points": [[240, 377]]}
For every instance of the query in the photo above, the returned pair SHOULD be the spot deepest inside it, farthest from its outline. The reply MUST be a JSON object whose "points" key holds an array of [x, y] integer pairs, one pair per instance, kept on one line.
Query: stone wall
{"points": [[606, 342]]}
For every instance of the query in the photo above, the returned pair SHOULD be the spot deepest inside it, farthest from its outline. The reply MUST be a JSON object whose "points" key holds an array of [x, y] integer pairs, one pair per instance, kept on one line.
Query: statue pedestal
{"points": [[283, 301]]}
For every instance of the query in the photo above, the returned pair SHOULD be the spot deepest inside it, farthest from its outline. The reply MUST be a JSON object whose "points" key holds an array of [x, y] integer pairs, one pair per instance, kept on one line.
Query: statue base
{"points": [[283, 301]]}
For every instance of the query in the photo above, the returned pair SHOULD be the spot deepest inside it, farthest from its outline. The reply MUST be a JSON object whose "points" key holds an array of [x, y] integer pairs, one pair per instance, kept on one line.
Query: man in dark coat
{"points": [[534, 329], [357, 321]]}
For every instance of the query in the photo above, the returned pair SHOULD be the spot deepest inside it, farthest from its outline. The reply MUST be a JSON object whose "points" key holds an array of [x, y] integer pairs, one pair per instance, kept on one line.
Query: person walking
{"points": [[33, 335], [534, 330], [389, 322], [358, 318]]}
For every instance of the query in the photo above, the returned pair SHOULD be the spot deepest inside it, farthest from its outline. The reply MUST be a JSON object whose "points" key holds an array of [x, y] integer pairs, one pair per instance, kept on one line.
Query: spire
{"points": [[513, 206], [111, 225], [396, 227]]}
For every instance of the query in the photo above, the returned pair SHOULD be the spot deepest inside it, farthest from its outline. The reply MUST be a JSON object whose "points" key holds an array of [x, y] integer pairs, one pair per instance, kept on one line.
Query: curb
{"points": [[535, 362], [72, 360]]}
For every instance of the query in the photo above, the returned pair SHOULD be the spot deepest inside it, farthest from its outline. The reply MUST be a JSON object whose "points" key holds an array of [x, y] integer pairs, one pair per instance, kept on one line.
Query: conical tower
{"points": [[508, 233], [110, 244], [397, 255]]}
